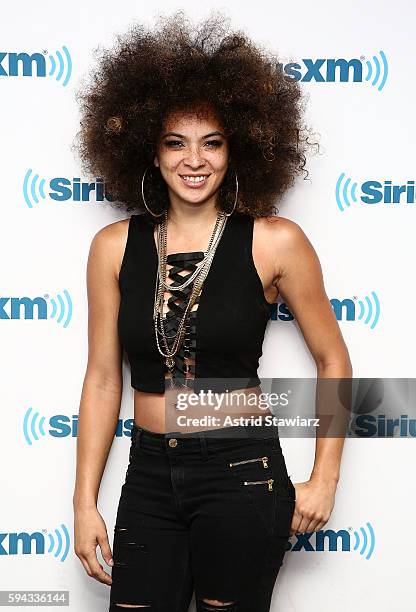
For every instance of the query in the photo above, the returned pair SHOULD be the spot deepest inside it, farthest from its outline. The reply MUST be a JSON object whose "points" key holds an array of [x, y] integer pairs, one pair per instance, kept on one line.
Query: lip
{"points": [[194, 185]]}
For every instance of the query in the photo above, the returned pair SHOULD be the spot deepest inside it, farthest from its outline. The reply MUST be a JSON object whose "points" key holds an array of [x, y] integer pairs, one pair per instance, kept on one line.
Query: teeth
{"points": [[194, 179]]}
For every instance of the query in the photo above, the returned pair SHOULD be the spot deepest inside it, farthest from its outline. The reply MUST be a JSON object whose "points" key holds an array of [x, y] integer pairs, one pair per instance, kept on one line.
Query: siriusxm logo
{"points": [[44, 64], [59, 308], [372, 192], [366, 310], [36, 427], [61, 189], [382, 426], [361, 541], [43, 542], [328, 70]]}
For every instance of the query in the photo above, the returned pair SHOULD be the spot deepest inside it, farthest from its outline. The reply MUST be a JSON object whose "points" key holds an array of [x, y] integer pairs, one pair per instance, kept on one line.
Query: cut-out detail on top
{"points": [[232, 314], [179, 268]]}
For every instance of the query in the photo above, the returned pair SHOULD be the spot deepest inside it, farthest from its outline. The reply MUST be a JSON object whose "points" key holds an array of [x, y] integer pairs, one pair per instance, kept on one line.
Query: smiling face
{"points": [[192, 155]]}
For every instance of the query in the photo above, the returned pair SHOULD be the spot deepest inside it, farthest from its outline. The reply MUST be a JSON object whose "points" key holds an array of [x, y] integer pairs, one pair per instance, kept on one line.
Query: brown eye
{"points": [[214, 143], [173, 143]]}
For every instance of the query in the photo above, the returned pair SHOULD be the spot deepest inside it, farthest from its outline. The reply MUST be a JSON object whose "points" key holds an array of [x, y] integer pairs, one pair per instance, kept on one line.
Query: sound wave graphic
{"points": [[60, 541], [59, 68], [369, 310], [33, 188], [367, 541], [380, 70], [33, 426], [345, 191], [62, 309]]}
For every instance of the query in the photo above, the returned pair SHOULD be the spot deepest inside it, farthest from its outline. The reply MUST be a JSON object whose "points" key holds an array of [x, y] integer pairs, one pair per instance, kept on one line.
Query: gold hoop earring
{"points": [[235, 199], [144, 199]]}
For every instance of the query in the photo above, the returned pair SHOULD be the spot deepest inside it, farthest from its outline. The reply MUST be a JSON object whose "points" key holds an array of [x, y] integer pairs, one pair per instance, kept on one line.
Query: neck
{"points": [[192, 218]]}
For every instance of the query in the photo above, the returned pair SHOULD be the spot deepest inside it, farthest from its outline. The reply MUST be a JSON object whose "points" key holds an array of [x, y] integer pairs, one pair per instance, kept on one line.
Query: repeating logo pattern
{"points": [[360, 540], [59, 308], [56, 65], [373, 71], [372, 192], [61, 189], [365, 310], [55, 543]]}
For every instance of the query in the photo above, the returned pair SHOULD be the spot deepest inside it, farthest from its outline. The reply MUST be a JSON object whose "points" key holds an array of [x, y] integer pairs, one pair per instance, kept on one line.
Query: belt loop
{"points": [[203, 443]]}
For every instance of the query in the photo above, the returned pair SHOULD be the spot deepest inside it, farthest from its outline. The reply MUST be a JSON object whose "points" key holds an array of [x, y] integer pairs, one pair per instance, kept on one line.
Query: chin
{"points": [[194, 197], [198, 199]]}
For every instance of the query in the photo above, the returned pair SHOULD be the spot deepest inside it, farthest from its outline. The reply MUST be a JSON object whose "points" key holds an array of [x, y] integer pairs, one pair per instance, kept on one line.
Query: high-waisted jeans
{"points": [[204, 512]]}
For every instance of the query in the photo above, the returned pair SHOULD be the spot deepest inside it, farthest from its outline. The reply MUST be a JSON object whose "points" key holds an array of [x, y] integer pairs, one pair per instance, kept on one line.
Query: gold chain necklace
{"points": [[199, 275]]}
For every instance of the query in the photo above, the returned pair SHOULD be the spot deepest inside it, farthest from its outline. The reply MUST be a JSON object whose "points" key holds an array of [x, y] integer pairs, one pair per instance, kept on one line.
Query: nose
{"points": [[194, 159]]}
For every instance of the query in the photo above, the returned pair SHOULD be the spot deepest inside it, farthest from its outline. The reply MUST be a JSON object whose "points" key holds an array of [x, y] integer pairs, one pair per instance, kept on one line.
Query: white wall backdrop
{"points": [[365, 243]]}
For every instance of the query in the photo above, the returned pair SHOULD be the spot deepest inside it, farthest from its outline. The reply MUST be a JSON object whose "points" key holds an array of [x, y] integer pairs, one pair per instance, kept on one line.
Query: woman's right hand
{"points": [[90, 531]]}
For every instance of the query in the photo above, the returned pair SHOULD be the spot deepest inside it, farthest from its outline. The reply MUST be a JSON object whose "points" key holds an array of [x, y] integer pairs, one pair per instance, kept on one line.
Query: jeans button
{"points": [[173, 442]]}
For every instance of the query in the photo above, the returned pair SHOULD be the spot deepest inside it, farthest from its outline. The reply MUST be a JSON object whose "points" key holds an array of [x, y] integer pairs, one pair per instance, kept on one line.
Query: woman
{"points": [[198, 132]]}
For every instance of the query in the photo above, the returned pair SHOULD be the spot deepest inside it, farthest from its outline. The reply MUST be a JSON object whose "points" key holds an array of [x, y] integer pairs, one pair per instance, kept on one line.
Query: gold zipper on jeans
{"points": [[270, 482], [263, 459]]}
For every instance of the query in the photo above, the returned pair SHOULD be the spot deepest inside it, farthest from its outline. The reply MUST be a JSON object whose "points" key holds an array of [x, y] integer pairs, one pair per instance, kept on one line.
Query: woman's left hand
{"points": [[315, 499]]}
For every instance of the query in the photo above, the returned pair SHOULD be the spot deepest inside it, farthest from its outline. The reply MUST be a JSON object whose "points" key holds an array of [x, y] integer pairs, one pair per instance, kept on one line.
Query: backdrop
{"points": [[355, 62]]}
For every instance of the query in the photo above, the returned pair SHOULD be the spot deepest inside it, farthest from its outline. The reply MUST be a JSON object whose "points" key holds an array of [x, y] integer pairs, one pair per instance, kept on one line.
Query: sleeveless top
{"points": [[226, 330]]}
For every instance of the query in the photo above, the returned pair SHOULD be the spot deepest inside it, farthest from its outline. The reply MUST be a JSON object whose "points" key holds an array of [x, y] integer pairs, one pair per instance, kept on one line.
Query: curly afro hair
{"points": [[181, 67]]}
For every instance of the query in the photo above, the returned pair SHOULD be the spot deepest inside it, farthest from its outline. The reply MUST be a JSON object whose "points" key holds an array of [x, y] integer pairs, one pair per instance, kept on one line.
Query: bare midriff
{"points": [[156, 411]]}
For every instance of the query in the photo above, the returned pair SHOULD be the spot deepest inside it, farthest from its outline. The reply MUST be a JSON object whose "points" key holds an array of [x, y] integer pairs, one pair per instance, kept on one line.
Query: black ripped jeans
{"points": [[202, 512]]}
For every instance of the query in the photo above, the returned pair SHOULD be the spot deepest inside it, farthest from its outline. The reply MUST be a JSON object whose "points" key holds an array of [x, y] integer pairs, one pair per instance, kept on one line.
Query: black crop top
{"points": [[227, 328]]}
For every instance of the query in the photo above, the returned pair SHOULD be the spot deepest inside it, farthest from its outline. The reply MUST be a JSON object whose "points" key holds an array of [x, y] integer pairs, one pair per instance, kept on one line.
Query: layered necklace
{"points": [[199, 275]]}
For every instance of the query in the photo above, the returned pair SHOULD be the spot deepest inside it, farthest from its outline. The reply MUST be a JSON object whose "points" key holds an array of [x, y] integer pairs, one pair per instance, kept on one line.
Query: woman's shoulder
{"points": [[275, 227], [280, 239], [113, 233], [109, 243]]}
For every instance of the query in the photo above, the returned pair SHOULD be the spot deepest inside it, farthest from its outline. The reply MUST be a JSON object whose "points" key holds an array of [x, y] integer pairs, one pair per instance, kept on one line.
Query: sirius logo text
{"points": [[61, 189], [372, 192], [37, 427], [382, 426]]}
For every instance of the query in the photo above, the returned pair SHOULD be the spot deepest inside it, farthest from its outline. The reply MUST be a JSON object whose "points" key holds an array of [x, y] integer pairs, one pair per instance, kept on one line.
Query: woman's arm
{"points": [[101, 393], [300, 283]]}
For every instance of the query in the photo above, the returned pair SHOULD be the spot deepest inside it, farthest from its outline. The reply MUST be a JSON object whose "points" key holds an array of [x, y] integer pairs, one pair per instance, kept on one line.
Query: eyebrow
{"points": [[182, 136]]}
